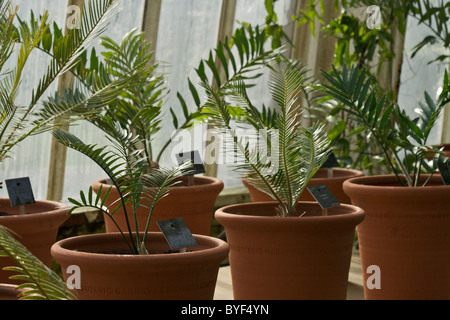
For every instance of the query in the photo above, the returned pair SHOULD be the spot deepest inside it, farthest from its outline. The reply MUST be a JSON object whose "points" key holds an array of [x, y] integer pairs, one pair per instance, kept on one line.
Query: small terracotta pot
{"points": [[107, 274], [195, 204], [37, 230], [9, 292], [406, 234], [333, 183], [289, 258]]}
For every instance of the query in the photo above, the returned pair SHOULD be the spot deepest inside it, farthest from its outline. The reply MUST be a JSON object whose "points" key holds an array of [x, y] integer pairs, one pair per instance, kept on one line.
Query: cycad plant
{"points": [[287, 155], [128, 174], [39, 282], [19, 41], [404, 140]]}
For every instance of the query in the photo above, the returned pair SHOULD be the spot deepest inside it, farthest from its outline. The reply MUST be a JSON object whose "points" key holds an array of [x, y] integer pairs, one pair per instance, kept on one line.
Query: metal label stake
{"points": [[324, 197], [177, 234], [197, 166], [330, 172], [20, 193]]}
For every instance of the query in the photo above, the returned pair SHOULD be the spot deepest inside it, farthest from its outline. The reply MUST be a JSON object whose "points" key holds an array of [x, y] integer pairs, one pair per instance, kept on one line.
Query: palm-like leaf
{"points": [[7, 32], [20, 122], [138, 108], [121, 167], [40, 282], [295, 155], [126, 169], [237, 58], [156, 186], [392, 129]]}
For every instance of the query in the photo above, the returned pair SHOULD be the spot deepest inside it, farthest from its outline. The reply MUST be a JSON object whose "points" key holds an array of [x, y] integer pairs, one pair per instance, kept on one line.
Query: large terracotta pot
{"points": [[195, 204], [36, 229], [289, 258], [406, 234], [107, 273], [333, 183]]}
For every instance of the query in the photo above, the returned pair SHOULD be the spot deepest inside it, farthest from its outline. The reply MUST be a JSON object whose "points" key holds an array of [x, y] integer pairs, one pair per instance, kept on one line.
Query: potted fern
{"points": [[20, 41], [331, 174], [140, 109], [405, 232], [284, 249], [129, 264]]}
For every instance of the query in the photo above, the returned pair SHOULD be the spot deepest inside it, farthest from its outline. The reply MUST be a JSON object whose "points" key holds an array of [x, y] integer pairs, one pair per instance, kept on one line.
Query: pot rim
{"points": [[341, 214], [208, 184], [53, 208], [349, 174], [66, 248], [377, 183]]}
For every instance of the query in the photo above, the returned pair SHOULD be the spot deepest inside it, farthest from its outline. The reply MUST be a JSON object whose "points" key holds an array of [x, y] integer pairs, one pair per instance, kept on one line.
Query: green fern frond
{"points": [[239, 58], [138, 108], [40, 282], [20, 122], [295, 154], [392, 129], [156, 186], [127, 171]]}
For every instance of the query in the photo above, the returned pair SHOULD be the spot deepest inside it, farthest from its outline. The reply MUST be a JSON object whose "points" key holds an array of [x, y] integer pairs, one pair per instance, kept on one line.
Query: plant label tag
{"points": [[177, 233], [444, 169], [331, 162], [197, 163], [323, 196], [20, 191]]}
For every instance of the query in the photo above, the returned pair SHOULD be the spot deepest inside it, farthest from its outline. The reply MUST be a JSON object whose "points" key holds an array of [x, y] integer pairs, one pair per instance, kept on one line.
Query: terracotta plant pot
{"points": [[333, 183], [107, 273], [406, 234], [9, 292], [289, 258], [195, 204], [36, 229]]}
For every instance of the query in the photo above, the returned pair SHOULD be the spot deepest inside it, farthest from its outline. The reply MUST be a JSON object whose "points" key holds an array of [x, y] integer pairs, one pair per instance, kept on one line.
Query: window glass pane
{"points": [[187, 32], [81, 171]]}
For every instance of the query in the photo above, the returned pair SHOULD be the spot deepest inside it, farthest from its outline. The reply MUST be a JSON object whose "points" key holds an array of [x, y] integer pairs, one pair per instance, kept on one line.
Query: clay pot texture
{"points": [[289, 258], [406, 233], [9, 292], [37, 230], [195, 204], [107, 274], [333, 183]]}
